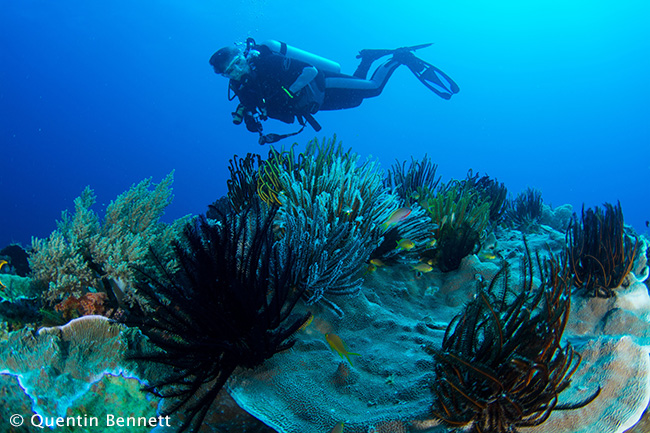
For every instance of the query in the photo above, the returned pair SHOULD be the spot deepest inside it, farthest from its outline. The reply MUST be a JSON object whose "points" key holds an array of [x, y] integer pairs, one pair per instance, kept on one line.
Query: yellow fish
{"points": [[339, 346], [2, 263], [377, 262], [370, 269], [338, 428], [488, 256], [395, 217], [405, 244], [422, 267]]}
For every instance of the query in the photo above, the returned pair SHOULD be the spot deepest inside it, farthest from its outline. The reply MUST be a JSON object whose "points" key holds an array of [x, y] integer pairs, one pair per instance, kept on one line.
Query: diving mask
{"points": [[237, 68]]}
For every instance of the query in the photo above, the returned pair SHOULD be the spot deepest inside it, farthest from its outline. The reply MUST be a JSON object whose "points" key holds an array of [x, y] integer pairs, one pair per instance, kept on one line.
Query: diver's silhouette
{"points": [[277, 81]]}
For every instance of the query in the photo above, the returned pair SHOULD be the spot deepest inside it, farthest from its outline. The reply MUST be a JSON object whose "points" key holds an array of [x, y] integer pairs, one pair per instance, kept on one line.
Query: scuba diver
{"points": [[277, 81]]}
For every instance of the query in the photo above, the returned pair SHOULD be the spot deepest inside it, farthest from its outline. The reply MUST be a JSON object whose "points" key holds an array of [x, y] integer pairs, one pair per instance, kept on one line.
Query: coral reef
{"points": [[398, 313], [248, 304], [57, 364]]}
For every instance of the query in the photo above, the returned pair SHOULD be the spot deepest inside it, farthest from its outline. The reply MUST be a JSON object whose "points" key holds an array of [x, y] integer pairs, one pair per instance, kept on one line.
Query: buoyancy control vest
{"points": [[311, 95]]}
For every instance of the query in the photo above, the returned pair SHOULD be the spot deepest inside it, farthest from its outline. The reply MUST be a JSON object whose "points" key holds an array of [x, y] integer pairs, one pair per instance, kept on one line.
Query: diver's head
{"points": [[230, 62]]}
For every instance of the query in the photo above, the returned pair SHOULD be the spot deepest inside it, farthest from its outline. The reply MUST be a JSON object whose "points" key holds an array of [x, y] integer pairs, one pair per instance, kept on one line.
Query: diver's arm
{"points": [[305, 77]]}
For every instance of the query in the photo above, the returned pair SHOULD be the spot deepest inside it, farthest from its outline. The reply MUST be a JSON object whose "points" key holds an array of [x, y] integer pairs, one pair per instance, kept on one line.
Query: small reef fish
{"points": [[432, 243], [422, 267], [2, 263], [338, 428], [346, 210], [397, 216], [339, 346], [405, 244], [370, 269], [486, 255], [415, 195], [377, 262]]}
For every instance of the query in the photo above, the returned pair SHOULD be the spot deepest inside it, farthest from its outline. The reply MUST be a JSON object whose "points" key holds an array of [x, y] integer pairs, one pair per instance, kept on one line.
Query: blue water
{"points": [[554, 95]]}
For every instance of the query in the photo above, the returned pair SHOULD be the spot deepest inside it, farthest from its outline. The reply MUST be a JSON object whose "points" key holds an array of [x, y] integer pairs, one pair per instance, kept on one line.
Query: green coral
{"points": [[83, 255]]}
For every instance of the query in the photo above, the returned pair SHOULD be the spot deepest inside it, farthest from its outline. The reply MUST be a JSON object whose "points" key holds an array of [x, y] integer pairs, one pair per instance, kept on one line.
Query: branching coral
{"points": [[525, 211], [229, 306], [83, 255], [600, 253], [502, 365]]}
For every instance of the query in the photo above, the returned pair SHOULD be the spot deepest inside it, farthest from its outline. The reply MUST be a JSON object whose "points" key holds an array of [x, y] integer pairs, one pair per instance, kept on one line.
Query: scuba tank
{"points": [[321, 63]]}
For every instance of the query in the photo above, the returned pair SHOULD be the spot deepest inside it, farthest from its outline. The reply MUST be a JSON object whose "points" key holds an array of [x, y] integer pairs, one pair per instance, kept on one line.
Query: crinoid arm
{"points": [[228, 306], [502, 364]]}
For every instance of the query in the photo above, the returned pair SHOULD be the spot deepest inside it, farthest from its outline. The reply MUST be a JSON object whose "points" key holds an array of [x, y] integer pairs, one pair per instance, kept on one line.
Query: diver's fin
{"points": [[368, 57], [378, 53], [433, 78]]}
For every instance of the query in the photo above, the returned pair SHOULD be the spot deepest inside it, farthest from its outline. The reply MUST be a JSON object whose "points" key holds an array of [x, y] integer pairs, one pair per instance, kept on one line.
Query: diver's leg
{"points": [[344, 91], [368, 57]]}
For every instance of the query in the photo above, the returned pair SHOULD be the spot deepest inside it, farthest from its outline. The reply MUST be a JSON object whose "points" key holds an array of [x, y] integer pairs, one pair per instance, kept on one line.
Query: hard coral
{"points": [[501, 365], [229, 306]]}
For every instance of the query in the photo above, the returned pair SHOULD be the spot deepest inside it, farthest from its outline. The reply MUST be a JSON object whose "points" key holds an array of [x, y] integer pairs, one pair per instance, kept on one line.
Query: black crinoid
{"points": [[491, 191], [525, 211], [228, 306], [502, 365], [409, 184], [601, 254]]}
